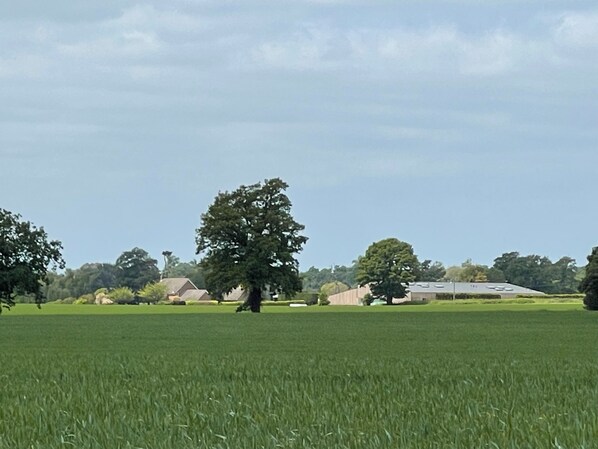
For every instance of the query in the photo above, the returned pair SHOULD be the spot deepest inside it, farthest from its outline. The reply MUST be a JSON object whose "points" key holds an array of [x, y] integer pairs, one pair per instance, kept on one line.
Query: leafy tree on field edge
{"points": [[249, 239], [388, 267], [25, 255]]}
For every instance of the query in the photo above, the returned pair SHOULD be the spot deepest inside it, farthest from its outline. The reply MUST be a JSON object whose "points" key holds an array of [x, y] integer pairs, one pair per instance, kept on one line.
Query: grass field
{"points": [[490, 376]]}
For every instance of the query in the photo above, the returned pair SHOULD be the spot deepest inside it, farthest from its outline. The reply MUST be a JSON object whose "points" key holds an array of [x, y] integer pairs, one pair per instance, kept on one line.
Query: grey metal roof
{"points": [[470, 288]]}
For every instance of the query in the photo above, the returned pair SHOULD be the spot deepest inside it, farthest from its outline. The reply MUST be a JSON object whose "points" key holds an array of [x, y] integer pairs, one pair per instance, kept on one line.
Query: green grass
{"points": [[510, 376]]}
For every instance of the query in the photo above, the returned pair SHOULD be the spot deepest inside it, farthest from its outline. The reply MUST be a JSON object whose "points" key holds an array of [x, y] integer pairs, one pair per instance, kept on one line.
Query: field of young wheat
{"points": [[164, 378]]}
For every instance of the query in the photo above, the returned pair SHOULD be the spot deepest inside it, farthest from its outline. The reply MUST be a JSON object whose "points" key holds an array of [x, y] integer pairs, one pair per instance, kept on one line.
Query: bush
{"points": [[308, 298], [563, 296], [122, 295], [323, 299], [367, 300]]}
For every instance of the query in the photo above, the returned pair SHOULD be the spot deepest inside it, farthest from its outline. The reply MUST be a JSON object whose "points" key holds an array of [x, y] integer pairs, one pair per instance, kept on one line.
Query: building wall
{"points": [[351, 297]]}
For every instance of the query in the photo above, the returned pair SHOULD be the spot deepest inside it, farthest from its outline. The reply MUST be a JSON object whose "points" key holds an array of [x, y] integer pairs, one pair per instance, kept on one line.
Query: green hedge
{"points": [[446, 296], [563, 296]]}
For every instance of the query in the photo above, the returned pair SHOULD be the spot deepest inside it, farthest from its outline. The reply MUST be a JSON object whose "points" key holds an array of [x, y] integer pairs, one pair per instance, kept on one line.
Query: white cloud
{"points": [[434, 50], [578, 29], [148, 17]]}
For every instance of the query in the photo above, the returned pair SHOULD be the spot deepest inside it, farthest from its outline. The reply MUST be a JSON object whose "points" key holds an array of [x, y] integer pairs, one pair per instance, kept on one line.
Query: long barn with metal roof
{"points": [[420, 291]]}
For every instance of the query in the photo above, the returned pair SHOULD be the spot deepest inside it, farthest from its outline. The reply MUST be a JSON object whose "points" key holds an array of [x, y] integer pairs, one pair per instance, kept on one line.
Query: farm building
{"points": [[420, 291], [184, 289]]}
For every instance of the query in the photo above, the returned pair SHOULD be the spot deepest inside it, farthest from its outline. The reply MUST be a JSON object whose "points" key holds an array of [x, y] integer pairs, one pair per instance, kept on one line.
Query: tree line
{"points": [[133, 269], [530, 271], [249, 238]]}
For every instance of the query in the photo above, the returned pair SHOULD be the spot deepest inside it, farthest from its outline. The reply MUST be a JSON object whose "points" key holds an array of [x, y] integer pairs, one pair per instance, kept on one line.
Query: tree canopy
{"points": [[589, 284], [25, 256], [387, 267], [135, 269], [538, 272], [249, 238]]}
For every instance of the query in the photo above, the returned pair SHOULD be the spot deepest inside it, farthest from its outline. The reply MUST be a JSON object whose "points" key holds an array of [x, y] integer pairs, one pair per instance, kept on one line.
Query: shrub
{"points": [[308, 298], [323, 299], [367, 300], [122, 295]]}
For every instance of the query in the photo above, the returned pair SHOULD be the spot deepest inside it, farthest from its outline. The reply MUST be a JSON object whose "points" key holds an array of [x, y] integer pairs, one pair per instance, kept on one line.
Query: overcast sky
{"points": [[467, 129]]}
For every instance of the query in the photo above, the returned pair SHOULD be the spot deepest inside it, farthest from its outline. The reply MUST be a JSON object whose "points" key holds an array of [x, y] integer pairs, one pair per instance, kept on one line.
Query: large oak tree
{"points": [[249, 239], [25, 256], [387, 267]]}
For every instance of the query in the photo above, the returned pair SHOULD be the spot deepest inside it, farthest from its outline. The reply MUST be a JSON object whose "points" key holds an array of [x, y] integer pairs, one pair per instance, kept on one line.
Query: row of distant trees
{"points": [[531, 271], [249, 238], [133, 269]]}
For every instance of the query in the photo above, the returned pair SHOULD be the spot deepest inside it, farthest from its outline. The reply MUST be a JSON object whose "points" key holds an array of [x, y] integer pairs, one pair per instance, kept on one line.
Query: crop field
{"points": [[160, 377]]}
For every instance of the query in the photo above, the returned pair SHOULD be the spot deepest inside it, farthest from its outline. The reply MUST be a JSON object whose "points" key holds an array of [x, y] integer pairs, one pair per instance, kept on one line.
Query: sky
{"points": [[465, 128]]}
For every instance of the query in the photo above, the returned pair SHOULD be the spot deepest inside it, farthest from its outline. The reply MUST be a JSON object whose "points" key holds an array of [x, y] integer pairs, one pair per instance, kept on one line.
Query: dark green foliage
{"points": [[25, 255], [387, 267], [368, 299], [538, 272], [323, 299], [86, 279], [249, 238], [589, 284], [135, 269], [430, 272], [468, 296]]}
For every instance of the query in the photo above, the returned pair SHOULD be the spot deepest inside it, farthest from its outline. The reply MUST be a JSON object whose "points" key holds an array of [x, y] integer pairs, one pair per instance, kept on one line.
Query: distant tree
{"points": [[387, 267], [314, 278], [430, 272], [81, 281], [191, 270], [249, 239], [538, 272], [332, 288], [453, 273], [25, 255], [563, 276], [495, 275], [153, 292], [472, 272], [589, 284], [135, 268]]}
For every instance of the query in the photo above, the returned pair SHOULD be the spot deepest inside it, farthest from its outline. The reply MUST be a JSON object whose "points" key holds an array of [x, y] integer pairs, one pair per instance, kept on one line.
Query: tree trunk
{"points": [[389, 300], [255, 299]]}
